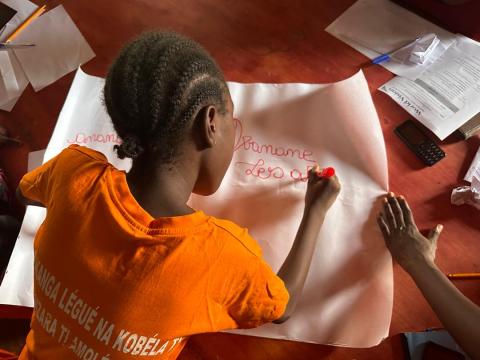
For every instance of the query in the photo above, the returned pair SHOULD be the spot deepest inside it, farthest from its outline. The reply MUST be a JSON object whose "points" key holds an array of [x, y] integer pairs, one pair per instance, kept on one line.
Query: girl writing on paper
{"points": [[123, 266]]}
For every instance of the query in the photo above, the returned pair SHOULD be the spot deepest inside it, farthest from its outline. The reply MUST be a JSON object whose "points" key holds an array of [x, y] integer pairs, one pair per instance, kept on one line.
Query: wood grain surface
{"points": [[273, 41]]}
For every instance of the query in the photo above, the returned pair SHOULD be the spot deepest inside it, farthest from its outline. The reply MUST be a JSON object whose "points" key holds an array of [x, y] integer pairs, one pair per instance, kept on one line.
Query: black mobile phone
{"points": [[419, 142]]}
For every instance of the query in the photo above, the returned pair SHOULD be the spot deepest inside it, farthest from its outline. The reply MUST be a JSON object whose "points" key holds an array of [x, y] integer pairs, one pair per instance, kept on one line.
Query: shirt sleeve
{"points": [[259, 297], [38, 184]]}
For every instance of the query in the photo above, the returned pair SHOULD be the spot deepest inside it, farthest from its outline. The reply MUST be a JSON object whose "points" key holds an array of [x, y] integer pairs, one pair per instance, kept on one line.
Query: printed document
{"points": [[446, 95]]}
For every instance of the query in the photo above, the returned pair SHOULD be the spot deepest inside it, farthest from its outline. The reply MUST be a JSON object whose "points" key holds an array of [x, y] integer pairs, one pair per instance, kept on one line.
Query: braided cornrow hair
{"points": [[155, 87]]}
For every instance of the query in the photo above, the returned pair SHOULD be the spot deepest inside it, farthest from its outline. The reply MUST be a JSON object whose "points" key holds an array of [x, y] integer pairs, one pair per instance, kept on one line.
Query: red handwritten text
{"points": [[248, 143], [82, 138], [261, 171]]}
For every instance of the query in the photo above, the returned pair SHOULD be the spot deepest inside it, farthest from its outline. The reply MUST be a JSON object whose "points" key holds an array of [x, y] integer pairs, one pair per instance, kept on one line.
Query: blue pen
{"points": [[386, 57], [6, 46]]}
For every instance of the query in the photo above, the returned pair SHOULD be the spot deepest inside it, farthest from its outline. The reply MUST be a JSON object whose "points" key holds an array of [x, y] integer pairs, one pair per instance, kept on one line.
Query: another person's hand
{"points": [[321, 191], [416, 254], [407, 245]]}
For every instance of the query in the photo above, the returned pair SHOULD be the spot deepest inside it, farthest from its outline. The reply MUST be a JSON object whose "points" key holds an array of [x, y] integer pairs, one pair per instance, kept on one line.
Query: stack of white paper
{"points": [[13, 84], [59, 49], [469, 194], [442, 92], [375, 27], [446, 95], [474, 169]]}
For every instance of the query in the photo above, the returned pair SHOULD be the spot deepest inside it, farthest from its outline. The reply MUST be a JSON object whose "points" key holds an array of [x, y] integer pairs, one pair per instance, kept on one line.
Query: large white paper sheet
{"points": [[347, 298], [281, 131], [446, 95], [59, 48], [375, 27]]}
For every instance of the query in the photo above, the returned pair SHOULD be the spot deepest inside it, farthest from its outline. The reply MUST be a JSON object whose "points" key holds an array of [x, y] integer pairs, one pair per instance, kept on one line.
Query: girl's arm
{"points": [[321, 193]]}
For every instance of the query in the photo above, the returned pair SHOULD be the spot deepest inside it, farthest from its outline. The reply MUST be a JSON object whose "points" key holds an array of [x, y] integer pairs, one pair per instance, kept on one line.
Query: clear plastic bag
{"points": [[418, 51], [467, 194]]}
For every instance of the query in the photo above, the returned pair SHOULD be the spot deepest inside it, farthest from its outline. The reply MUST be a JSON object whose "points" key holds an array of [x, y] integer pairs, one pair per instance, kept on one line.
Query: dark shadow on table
{"points": [[442, 210], [13, 333]]}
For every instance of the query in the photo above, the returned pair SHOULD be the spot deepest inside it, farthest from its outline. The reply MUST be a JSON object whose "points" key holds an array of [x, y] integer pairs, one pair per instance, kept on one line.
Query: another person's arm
{"points": [[321, 194], [416, 254]]}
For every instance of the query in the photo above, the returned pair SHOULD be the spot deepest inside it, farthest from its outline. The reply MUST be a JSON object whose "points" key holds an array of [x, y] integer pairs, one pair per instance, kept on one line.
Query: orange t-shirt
{"points": [[112, 282]]}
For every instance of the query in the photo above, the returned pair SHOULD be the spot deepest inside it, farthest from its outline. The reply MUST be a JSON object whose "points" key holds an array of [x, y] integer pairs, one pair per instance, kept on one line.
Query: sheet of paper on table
{"points": [[469, 194], [446, 95], [35, 159], [9, 85], [281, 130], [375, 27], [474, 169], [59, 48], [14, 83]]}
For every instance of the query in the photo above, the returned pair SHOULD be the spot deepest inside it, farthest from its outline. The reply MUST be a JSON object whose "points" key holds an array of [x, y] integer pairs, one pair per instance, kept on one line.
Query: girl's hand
{"points": [[321, 191], [407, 245]]}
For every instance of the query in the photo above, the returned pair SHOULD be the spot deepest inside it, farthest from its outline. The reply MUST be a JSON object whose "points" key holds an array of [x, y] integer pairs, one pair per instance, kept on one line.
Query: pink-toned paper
{"points": [[282, 130]]}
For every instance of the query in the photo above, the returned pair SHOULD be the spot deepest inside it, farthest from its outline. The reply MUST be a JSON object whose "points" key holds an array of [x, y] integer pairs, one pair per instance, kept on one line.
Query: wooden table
{"points": [[274, 41]]}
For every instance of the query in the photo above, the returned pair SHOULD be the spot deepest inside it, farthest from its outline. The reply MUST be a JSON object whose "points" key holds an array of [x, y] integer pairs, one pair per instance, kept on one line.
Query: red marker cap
{"points": [[327, 172]]}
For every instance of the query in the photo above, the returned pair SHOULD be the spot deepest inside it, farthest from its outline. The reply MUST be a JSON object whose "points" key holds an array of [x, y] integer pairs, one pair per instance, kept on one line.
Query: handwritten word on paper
{"points": [[84, 139], [260, 169]]}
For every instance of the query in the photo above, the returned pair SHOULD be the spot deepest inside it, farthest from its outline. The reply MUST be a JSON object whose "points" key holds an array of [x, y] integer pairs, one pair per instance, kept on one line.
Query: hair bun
{"points": [[129, 148]]}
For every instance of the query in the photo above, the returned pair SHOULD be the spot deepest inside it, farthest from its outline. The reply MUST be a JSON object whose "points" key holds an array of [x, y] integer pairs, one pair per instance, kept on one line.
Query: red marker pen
{"points": [[327, 172]]}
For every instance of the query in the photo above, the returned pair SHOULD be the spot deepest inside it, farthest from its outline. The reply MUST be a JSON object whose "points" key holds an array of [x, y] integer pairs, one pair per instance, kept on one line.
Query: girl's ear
{"points": [[206, 122]]}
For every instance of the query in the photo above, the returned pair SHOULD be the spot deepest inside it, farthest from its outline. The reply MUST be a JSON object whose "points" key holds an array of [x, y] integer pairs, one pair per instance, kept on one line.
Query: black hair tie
{"points": [[129, 148]]}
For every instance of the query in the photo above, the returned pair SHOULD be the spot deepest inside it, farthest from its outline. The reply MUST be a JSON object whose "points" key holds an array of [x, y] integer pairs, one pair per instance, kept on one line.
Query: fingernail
{"points": [[439, 227], [401, 197], [391, 194]]}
